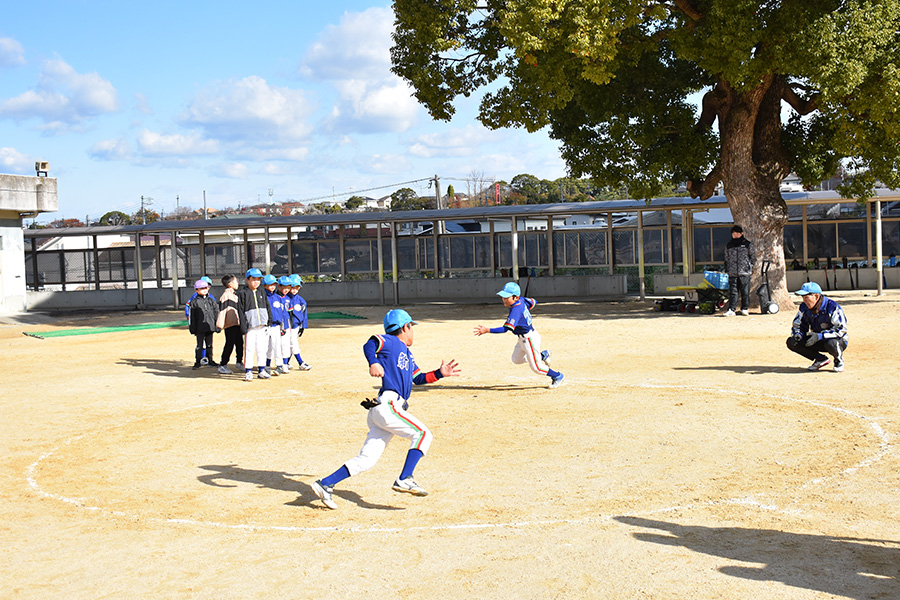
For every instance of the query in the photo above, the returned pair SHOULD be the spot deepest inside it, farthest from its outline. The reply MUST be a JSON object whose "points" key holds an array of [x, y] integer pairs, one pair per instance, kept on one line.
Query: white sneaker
{"points": [[324, 493], [838, 365], [204, 361], [820, 364], [264, 375], [272, 373], [305, 366], [728, 313], [224, 370], [248, 376], [745, 312], [545, 356], [409, 486], [283, 369]]}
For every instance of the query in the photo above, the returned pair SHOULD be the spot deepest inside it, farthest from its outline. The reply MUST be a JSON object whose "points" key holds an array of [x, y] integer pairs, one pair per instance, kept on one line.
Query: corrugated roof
{"points": [[479, 212]]}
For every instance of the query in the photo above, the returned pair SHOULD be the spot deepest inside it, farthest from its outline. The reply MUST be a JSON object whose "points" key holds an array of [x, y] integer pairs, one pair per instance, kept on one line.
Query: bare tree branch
{"points": [[710, 108], [705, 188], [802, 106], [688, 8]]}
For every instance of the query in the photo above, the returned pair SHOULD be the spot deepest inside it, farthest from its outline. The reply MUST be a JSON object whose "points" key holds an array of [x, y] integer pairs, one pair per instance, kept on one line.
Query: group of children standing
{"points": [[262, 321]]}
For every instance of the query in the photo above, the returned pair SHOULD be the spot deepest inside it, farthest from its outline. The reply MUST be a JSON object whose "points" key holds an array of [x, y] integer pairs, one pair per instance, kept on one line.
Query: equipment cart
{"points": [[708, 297]]}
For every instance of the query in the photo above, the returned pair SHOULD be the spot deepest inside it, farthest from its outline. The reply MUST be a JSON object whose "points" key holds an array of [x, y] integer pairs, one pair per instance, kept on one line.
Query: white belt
{"points": [[388, 396]]}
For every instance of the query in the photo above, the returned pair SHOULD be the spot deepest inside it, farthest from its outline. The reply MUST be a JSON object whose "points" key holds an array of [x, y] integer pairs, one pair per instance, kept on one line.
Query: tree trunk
{"points": [[753, 164]]}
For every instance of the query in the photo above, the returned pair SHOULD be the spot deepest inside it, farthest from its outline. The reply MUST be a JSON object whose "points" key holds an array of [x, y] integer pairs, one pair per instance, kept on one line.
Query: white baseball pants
{"points": [[273, 350], [528, 349], [256, 340], [385, 421], [290, 343]]}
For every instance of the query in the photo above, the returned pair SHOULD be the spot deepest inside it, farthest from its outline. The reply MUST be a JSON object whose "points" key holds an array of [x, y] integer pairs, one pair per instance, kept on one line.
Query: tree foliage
{"points": [[408, 199], [354, 202], [614, 80], [115, 217], [144, 216]]}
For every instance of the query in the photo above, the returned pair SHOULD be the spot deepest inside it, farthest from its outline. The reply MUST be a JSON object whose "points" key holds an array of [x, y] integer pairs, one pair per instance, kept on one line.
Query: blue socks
{"points": [[552, 374], [336, 477], [412, 459]]}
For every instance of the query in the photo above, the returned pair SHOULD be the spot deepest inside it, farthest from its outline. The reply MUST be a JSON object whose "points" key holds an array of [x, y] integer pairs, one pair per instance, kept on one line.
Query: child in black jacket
{"points": [[204, 313]]}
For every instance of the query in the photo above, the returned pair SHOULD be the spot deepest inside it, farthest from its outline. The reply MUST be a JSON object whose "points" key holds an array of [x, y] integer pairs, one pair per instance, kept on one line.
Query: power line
{"points": [[354, 192]]}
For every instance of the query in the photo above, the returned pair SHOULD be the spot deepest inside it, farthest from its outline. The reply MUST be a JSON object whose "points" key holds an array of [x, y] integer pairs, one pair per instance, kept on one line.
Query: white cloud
{"points": [[63, 98], [118, 149], [11, 53], [355, 56], [13, 161], [368, 107], [356, 48], [142, 104], [250, 111], [387, 163], [159, 145], [468, 141], [231, 170]]}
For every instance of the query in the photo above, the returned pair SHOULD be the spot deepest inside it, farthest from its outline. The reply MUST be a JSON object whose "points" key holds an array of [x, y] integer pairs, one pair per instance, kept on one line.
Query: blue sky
{"points": [[171, 99]]}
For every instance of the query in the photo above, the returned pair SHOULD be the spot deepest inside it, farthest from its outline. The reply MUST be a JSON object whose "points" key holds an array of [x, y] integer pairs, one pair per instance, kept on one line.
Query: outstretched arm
{"points": [[483, 329], [447, 369]]}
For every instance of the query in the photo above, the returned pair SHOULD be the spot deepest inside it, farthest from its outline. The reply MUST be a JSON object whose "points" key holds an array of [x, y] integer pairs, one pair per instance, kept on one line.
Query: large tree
{"points": [[614, 79], [408, 199]]}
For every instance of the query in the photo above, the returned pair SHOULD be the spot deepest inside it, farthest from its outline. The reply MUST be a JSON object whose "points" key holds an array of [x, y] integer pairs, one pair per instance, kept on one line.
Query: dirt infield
{"points": [[686, 457]]}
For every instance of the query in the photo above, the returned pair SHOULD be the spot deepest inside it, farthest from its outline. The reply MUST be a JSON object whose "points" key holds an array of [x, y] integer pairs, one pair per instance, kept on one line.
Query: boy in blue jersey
{"points": [[278, 326], [390, 359], [299, 322], [528, 342], [820, 326]]}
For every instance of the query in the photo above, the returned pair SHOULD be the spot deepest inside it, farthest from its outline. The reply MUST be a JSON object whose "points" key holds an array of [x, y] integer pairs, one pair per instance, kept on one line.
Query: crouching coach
{"points": [[820, 328]]}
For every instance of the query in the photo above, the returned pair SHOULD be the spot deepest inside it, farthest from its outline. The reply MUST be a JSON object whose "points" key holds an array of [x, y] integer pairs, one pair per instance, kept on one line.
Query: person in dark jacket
{"points": [[204, 312], [255, 316], [740, 256]]}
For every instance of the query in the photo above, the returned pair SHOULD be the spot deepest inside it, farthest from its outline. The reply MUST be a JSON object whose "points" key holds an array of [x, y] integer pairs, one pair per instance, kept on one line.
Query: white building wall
{"points": [[21, 196]]}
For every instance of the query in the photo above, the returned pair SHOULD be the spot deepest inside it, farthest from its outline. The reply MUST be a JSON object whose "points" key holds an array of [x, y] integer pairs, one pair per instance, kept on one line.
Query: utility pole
{"points": [[437, 200], [204, 206], [177, 215], [145, 200]]}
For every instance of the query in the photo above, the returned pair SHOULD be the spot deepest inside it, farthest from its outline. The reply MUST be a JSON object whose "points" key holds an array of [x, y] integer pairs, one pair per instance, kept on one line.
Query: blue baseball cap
{"points": [[510, 289], [296, 281], [207, 280], [254, 272], [395, 319], [269, 279], [810, 287], [284, 280]]}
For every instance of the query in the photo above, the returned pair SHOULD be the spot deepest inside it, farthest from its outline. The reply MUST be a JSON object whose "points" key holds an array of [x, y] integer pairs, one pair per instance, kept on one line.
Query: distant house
{"points": [[376, 204]]}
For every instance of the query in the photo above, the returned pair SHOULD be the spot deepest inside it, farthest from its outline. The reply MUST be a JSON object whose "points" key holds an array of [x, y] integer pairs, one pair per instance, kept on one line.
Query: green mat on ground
{"points": [[93, 330]]}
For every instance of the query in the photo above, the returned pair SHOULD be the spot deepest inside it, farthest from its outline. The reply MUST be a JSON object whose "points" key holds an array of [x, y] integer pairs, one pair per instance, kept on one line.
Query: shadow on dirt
{"points": [[839, 566], [746, 369], [279, 480], [172, 368]]}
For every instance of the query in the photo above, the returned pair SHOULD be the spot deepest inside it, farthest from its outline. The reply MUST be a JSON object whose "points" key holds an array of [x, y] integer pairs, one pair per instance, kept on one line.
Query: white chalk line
{"points": [[746, 501]]}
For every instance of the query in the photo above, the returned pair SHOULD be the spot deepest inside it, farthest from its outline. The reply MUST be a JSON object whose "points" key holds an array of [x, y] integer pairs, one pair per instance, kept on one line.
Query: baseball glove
{"points": [[369, 403]]}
